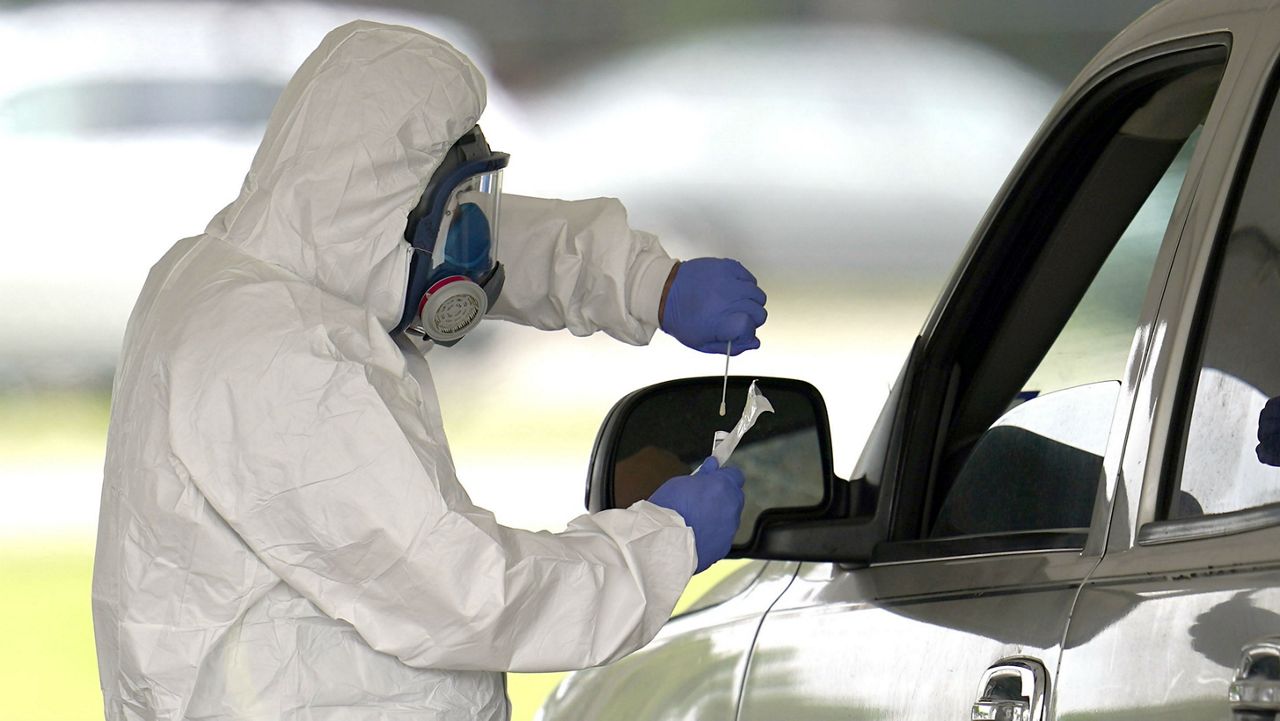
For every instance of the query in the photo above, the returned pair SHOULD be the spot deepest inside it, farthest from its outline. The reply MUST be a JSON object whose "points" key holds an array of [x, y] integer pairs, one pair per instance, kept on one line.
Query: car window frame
{"points": [[922, 428], [1154, 526]]}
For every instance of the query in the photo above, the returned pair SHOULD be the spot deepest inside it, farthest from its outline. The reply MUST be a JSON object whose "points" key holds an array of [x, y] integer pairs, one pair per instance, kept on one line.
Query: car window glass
{"points": [[1037, 466], [1094, 344], [1224, 467]]}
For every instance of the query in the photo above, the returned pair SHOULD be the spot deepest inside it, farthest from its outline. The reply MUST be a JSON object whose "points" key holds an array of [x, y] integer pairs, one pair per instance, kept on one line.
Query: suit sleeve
{"points": [[579, 265], [330, 472]]}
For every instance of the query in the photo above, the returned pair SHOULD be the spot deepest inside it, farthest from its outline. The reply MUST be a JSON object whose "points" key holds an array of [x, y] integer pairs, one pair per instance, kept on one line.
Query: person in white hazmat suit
{"points": [[282, 533]]}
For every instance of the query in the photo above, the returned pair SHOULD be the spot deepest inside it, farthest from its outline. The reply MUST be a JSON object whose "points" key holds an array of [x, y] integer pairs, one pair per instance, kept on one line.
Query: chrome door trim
{"points": [[1031, 674], [1215, 526], [1248, 692]]}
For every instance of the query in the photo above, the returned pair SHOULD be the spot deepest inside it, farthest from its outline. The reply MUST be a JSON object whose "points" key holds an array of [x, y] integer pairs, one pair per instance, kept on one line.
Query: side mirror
{"points": [[666, 430]]}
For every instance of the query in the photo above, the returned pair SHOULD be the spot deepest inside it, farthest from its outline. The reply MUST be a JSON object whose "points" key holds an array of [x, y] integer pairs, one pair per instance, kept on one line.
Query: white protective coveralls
{"points": [[282, 534]]}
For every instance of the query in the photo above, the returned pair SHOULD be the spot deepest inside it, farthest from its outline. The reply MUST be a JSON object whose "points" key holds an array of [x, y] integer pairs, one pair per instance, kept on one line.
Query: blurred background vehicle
{"points": [[843, 151], [125, 126]]}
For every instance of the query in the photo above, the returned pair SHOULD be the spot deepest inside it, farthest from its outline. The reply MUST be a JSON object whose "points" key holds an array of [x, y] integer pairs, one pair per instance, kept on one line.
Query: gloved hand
{"points": [[1268, 449], [710, 501], [713, 301]]}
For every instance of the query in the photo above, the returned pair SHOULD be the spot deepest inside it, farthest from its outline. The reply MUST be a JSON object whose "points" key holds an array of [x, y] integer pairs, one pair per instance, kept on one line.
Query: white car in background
{"points": [[803, 148], [125, 126]]}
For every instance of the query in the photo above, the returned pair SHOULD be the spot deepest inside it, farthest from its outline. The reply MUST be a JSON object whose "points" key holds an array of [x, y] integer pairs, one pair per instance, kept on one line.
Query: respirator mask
{"points": [[454, 275]]}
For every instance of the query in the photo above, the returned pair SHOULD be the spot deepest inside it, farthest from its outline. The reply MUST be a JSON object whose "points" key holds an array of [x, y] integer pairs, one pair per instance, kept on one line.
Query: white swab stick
{"points": [[728, 349]]}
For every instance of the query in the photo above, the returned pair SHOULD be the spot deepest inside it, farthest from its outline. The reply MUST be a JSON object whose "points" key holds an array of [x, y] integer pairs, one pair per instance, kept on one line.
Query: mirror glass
{"points": [[669, 433]]}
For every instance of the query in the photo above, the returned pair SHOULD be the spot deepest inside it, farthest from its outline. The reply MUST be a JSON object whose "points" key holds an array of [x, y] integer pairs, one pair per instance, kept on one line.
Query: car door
{"points": [[998, 465], [1181, 620]]}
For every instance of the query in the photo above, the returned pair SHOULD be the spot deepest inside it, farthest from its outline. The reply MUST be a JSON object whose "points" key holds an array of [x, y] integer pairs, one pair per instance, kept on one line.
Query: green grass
{"points": [[53, 426], [48, 670]]}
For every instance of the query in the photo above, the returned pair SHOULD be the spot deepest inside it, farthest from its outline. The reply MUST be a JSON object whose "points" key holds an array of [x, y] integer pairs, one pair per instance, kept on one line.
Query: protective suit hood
{"points": [[350, 145]]}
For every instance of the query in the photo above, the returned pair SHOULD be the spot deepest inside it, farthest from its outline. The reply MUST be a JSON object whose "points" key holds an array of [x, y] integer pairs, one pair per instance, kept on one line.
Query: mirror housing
{"points": [[665, 430]]}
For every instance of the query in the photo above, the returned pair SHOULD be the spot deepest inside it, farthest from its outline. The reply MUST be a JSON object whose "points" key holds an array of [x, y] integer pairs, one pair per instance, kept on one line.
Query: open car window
{"points": [[1045, 477], [1023, 375]]}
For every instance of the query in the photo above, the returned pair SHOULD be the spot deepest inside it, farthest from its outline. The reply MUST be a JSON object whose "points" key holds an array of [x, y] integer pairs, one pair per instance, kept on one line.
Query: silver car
{"points": [[1063, 511]]}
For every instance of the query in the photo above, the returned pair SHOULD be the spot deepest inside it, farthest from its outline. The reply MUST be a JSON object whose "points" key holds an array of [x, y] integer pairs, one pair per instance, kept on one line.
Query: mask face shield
{"points": [[469, 231]]}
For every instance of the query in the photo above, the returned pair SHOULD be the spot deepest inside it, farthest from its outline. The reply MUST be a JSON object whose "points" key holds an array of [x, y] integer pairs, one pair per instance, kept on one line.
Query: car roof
{"points": [[1176, 18]]}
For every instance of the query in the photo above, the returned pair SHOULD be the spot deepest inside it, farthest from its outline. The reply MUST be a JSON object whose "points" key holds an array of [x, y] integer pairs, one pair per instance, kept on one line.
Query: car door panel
{"points": [[906, 641], [691, 670], [1159, 633]]}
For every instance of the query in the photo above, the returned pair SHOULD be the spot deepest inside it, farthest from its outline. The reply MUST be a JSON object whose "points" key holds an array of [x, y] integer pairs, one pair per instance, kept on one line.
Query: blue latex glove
{"points": [[713, 301], [710, 502], [1269, 433]]}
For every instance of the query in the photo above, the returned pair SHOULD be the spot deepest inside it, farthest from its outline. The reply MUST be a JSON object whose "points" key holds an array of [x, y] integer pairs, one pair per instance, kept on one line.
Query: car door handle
{"points": [[1012, 690], [1255, 691]]}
